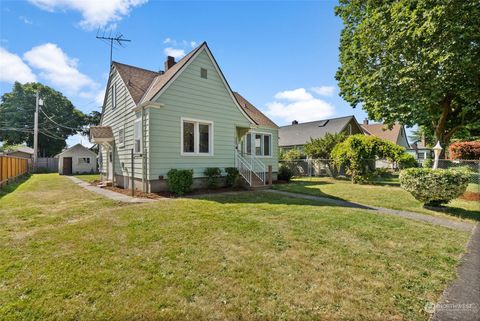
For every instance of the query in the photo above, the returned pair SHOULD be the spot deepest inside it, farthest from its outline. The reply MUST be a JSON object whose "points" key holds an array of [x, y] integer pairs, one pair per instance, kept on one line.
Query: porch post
{"points": [[270, 175]]}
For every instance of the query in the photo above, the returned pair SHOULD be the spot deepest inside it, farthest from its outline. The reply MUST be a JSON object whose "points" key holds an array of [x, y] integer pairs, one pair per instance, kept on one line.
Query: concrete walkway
{"points": [[457, 225], [109, 194]]}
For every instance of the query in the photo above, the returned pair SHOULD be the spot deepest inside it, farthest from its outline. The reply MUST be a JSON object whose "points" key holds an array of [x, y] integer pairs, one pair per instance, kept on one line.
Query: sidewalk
{"points": [[109, 194], [457, 225]]}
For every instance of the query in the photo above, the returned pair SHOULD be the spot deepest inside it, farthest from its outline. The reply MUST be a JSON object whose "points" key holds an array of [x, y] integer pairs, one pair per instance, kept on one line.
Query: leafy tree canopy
{"points": [[413, 61], [320, 148], [57, 119]]}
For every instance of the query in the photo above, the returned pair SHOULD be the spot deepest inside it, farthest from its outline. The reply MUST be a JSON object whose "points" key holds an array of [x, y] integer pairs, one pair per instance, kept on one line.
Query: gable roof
{"points": [[256, 115], [163, 79], [100, 132], [382, 131], [20, 149], [300, 134], [137, 80], [79, 147]]}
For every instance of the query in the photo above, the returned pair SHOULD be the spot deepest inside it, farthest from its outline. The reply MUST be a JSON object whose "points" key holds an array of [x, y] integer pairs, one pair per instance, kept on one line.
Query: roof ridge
{"points": [[314, 121], [136, 67]]}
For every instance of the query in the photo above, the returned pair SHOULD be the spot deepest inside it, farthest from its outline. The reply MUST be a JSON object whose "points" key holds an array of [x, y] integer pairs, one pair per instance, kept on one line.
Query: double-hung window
{"points": [[259, 144], [113, 92], [137, 136], [197, 137]]}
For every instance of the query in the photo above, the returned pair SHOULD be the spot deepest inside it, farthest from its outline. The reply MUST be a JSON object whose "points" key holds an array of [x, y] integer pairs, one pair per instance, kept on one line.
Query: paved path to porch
{"points": [[457, 225], [109, 194]]}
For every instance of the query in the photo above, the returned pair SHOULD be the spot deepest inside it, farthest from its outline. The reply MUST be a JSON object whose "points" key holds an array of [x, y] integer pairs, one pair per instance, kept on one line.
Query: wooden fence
{"points": [[11, 168]]}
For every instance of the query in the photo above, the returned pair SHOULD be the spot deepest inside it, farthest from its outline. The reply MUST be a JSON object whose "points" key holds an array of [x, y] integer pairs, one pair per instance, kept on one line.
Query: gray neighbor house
{"points": [[185, 117]]}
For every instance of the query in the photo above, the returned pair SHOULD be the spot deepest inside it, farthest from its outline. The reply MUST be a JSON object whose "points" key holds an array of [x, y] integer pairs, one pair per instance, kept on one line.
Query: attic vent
{"points": [[203, 73], [323, 123]]}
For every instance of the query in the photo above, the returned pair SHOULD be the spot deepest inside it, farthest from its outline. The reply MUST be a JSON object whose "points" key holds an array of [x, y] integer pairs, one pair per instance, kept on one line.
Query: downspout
{"points": [[143, 148]]}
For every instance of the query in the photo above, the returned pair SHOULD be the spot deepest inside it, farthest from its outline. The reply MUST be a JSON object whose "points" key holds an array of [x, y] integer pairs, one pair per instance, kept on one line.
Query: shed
{"points": [[77, 160]]}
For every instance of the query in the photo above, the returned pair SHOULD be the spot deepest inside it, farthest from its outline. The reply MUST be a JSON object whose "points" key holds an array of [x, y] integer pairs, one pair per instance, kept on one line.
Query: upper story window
{"points": [[203, 73], [121, 136], [113, 93], [259, 144], [197, 137], [137, 136]]}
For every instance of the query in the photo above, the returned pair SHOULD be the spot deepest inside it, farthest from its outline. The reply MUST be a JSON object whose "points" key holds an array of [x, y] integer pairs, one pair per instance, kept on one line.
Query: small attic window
{"points": [[203, 73]]}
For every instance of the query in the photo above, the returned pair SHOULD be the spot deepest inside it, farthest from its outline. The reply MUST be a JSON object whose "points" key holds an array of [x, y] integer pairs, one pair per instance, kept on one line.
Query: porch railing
{"points": [[249, 165]]}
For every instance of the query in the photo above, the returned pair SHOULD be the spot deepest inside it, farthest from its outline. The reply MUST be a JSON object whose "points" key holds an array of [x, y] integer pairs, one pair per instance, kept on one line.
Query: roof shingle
{"points": [[136, 79], [101, 132], [382, 131], [256, 115]]}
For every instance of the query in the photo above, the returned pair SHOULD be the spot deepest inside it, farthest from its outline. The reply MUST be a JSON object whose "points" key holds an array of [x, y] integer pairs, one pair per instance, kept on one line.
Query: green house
{"points": [[186, 117]]}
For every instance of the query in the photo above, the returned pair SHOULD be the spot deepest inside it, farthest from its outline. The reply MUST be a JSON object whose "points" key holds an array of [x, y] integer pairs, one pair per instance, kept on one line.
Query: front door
{"points": [[110, 166], [67, 166]]}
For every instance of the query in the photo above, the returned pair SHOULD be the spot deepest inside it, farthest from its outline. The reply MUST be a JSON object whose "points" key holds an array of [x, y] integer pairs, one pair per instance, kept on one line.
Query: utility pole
{"points": [[35, 133], [118, 39]]}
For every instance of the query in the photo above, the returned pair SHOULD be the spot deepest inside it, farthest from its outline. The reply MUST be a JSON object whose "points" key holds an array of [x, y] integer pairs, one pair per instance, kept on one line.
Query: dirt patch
{"points": [[138, 194], [470, 196]]}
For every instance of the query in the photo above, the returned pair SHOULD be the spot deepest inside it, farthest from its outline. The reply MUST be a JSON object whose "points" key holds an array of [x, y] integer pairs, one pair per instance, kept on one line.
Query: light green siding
{"points": [[122, 116], [191, 96]]}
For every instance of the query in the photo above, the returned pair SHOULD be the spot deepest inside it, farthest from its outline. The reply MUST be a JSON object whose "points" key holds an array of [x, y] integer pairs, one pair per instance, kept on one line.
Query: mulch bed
{"points": [[470, 196]]}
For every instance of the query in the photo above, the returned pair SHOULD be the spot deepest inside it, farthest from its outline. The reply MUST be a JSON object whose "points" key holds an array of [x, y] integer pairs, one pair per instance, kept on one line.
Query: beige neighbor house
{"points": [[77, 160], [21, 151], [298, 134], [396, 134], [185, 117]]}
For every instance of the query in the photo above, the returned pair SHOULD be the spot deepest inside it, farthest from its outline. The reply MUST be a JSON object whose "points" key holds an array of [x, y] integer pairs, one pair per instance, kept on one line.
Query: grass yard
{"points": [[71, 255], [390, 195], [89, 178]]}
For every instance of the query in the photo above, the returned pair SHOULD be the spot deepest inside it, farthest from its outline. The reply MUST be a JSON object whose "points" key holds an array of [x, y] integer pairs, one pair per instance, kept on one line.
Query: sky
{"points": [[280, 55]]}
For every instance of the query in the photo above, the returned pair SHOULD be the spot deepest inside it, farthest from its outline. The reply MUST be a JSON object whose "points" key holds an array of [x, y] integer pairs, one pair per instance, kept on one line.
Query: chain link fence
{"points": [[327, 168]]}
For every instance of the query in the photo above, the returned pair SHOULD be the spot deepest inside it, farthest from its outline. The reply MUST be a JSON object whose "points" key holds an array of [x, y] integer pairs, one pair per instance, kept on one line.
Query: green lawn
{"points": [[389, 196], [89, 178], [67, 254]]}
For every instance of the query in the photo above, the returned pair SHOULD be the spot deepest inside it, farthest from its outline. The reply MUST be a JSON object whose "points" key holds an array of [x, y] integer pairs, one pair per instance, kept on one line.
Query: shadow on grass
{"points": [[9, 188], [457, 212]]}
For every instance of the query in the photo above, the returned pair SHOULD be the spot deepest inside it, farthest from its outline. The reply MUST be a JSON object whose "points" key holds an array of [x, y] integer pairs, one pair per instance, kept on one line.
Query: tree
{"points": [[413, 61], [92, 119], [359, 152], [320, 148], [57, 119]]}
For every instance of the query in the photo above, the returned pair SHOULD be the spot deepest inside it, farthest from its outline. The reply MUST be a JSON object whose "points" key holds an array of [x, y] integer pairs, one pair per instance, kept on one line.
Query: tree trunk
{"points": [[440, 127]]}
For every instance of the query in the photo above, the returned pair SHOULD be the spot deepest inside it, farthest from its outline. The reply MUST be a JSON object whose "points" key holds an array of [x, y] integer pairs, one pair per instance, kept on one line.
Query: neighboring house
{"points": [[298, 134], [420, 151], [395, 135], [77, 160], [185, 117], [21, 151]]}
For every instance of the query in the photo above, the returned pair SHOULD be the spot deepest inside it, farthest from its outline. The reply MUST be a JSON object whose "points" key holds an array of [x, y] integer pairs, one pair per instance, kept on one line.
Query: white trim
{"points": [[217, 69], [135, 122], [253, 152], [122, 143], [196, 136], [114, 95]]}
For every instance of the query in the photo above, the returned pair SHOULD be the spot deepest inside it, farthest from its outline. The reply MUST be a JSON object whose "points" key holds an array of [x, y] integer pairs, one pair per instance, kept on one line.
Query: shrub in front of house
{"points": [[284, 173], [213, 175], [427, 163], [407, 161], [434, 187], [232, 176], [465, 150], [179, 181]]}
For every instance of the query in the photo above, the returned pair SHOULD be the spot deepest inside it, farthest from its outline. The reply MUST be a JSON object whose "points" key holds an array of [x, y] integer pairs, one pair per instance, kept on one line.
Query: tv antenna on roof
{"points": [[117, 39]]}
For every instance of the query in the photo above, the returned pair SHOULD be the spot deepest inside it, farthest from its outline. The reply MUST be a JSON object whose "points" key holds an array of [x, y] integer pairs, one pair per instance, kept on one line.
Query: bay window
{"points": [[197, 137]]}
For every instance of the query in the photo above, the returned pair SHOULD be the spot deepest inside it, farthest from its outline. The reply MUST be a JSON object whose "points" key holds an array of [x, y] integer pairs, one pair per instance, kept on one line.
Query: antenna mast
{"points": [[117, 39]]}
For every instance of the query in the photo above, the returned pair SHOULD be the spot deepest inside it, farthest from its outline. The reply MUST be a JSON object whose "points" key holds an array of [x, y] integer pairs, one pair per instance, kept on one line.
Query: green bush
{"points": [[179, 181], [407, 161], [232, 176], [428, 163], [213, 174], [434, 186], [285, 173], [291, 154]]}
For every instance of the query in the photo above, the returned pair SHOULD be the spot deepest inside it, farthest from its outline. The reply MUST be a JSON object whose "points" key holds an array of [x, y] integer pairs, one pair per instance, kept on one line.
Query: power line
{"points": [[64, 126]]}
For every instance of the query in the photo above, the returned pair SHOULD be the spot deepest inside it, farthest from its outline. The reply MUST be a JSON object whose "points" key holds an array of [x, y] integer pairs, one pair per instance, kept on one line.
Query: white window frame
{"points": [[137, 122], [196, 137], [84, 163], [121, 136], [114, 95], [252, 140]]}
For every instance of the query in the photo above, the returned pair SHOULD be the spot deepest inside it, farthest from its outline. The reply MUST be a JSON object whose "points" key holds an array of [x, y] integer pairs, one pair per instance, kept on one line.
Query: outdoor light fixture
{"points": [[437, 150]]}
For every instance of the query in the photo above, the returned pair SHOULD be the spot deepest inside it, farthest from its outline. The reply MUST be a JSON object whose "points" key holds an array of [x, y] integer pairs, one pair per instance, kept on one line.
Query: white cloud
{"points": [[294, 95], [167, 40], [193, 44], [95, 13], [25, 20], [324, 90], [12, 68], [59, 69], [300, 105], [176, 53]]}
